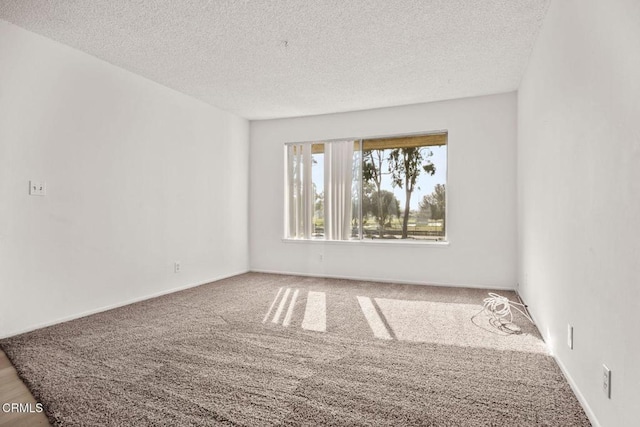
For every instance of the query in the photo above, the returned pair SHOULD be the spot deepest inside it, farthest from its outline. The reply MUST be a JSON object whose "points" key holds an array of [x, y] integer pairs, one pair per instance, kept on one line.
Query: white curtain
{"points": [[300, 188], [338, 176]]}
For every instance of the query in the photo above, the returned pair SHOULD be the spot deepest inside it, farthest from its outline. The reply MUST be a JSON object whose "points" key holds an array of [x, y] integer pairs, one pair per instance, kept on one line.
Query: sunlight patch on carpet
{"points": [[283, 301], [292, 304], [451, 324], [315, 315], [376, 324]]}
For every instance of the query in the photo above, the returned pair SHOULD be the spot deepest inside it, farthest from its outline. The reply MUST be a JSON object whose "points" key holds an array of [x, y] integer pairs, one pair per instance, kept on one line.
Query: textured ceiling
{"points": [[267, 59]]}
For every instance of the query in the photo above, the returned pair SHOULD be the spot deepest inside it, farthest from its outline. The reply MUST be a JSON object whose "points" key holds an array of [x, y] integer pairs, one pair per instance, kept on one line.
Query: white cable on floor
{"points": [[500, 308]]}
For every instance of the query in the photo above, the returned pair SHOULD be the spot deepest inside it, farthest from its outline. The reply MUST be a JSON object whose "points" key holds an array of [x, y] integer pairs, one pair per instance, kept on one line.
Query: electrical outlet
{"points": [[321, 257], [606, 381], [570, 336], [37, 188], [176, 267]]}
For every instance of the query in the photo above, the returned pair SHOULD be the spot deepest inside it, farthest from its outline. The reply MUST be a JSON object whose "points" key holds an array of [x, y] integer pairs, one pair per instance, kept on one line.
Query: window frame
{"points": [[442, 242]]}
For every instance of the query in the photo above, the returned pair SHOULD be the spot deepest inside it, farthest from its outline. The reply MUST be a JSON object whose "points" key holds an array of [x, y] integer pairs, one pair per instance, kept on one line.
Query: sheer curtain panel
{"points": [[338, 177]]}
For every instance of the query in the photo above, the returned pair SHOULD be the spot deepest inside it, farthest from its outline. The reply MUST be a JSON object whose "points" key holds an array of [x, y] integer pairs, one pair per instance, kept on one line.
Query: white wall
{"points": [[481, 191], [579, 197], [138, 176]]}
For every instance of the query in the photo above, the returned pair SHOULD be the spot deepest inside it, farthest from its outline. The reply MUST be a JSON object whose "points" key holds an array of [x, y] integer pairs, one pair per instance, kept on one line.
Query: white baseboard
{"points": [[581, 399], [585, 405], [377, 279], [119, 304]]}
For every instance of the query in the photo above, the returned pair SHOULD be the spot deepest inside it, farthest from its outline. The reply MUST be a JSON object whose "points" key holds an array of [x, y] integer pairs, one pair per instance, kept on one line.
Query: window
{"points": [[380, 188]]}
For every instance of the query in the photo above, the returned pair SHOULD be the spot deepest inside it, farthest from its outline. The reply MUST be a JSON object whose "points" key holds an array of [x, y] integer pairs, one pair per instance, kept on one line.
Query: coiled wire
{"points": [[500, 308]]}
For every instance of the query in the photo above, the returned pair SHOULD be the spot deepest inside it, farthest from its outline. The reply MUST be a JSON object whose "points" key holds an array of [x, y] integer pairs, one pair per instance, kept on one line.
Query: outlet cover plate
{"points": [[37, 188], [606, 381]]}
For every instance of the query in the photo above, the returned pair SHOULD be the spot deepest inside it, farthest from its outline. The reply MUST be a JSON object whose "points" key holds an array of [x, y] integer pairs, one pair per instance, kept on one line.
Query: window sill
{"points": [[370, 242]]}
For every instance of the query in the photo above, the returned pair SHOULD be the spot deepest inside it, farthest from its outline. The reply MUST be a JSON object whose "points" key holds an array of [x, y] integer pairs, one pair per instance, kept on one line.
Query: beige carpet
{"points": [[261, 349]]}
